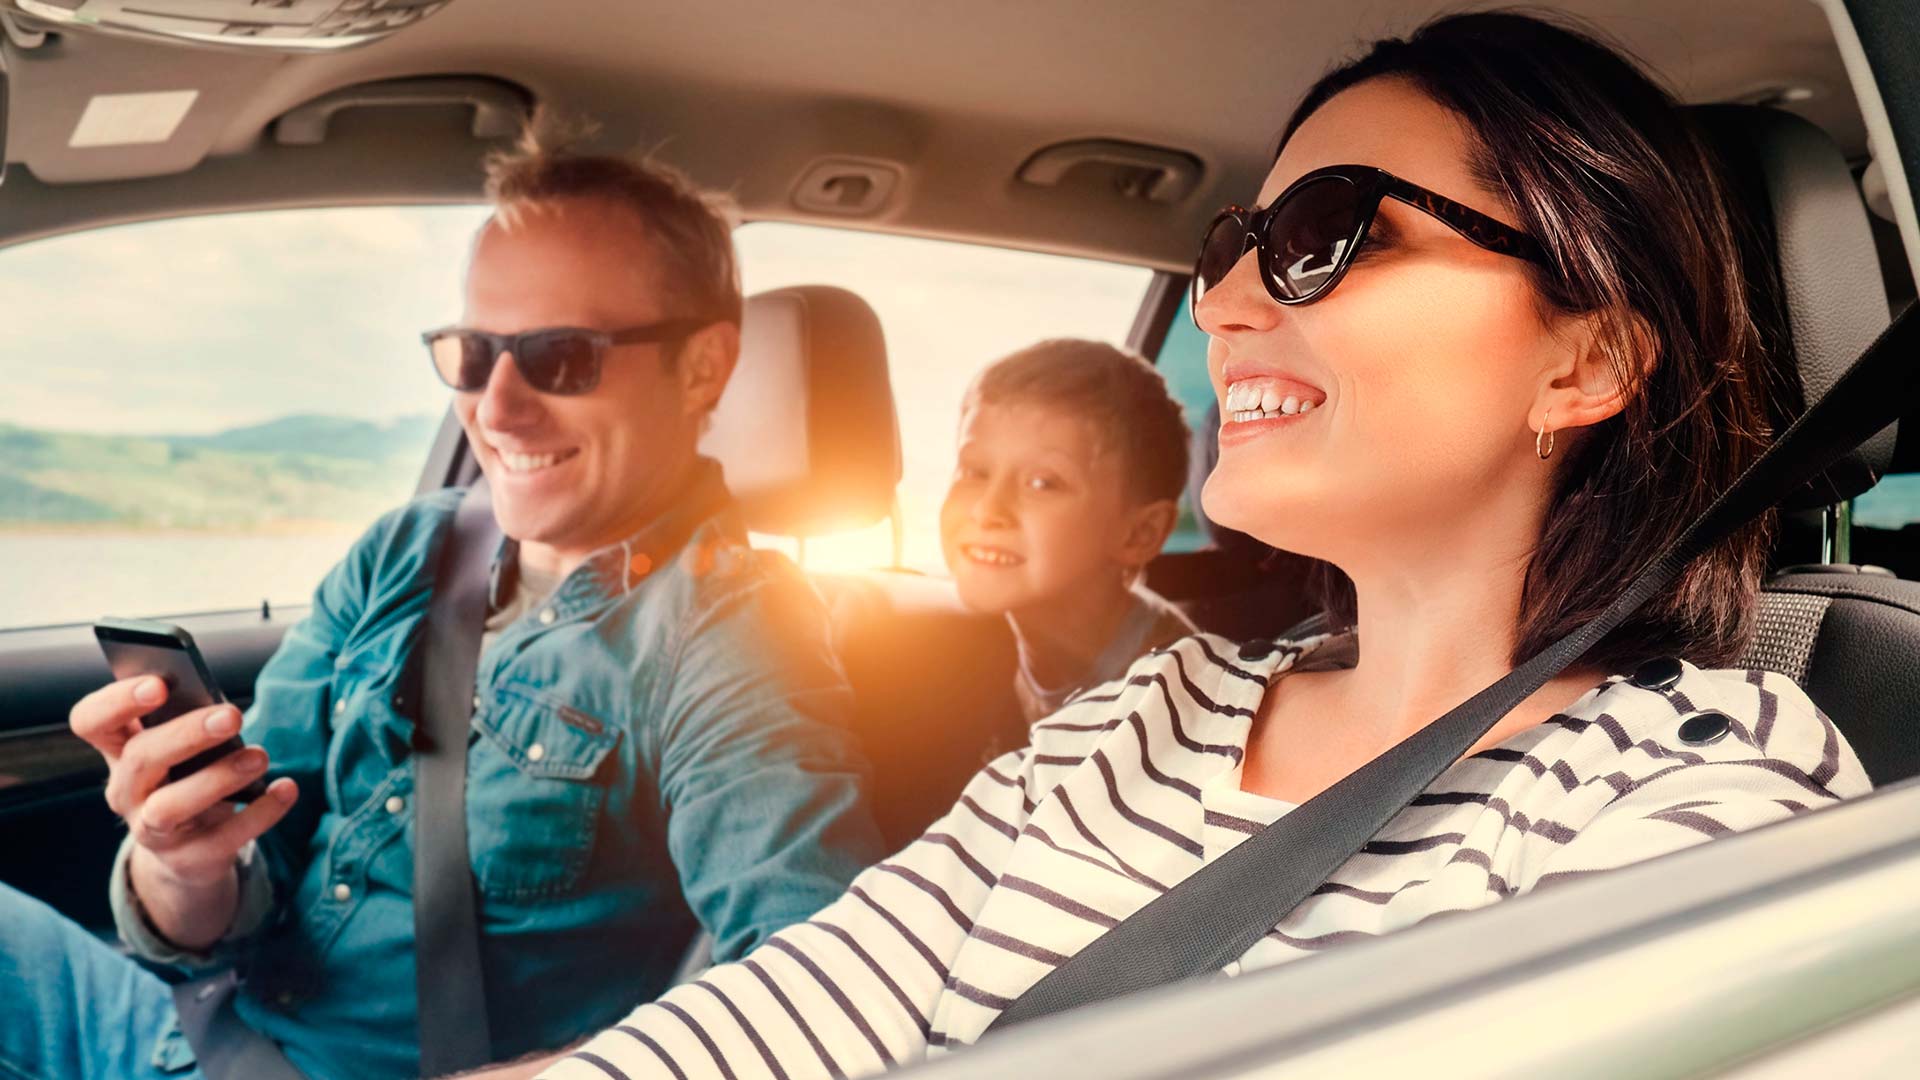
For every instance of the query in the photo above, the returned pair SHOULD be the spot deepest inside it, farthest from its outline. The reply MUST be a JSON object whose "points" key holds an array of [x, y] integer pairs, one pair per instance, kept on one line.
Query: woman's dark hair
{"points": [[1603, 168]]}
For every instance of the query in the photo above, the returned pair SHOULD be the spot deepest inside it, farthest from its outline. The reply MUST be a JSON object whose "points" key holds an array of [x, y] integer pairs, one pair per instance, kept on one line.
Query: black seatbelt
{"points": [[224, 1047], [1213, 917], [449, 978]]}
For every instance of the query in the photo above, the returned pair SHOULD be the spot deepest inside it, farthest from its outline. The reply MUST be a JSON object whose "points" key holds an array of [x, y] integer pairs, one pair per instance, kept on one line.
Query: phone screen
{"points": [[136, 647]]}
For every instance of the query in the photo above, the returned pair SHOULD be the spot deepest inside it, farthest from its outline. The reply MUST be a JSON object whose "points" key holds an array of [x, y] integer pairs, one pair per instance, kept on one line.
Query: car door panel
{"points": [[57, 836]]}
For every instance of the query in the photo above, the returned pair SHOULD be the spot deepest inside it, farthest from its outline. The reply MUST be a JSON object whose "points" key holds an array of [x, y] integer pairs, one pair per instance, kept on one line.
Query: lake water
{"points": [[51, 577]]}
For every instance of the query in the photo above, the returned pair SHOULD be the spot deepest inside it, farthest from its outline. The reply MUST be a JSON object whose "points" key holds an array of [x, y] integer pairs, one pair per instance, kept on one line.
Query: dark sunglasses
{"points": [[560, 360], [1308, 236]]}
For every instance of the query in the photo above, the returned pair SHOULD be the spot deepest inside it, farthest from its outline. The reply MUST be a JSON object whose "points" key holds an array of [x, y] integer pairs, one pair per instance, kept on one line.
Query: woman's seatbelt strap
{"points": [[1213, 917]]}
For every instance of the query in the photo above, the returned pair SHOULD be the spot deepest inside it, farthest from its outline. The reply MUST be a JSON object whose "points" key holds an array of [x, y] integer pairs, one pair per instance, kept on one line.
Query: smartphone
{"points": [[136, 647]]}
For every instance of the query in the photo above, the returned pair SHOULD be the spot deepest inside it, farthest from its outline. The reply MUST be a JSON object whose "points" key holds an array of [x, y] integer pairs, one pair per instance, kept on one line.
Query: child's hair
{"points": [[1119, 393]]}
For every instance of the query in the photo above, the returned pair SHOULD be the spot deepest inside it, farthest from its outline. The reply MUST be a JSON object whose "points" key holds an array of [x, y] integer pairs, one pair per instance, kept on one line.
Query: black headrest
{"points": [[806, 430], [1823, 279]]}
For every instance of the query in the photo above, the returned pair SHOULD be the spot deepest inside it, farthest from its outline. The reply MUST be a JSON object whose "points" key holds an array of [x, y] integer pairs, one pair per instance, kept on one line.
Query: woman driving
{"points": [[1485, 347]]}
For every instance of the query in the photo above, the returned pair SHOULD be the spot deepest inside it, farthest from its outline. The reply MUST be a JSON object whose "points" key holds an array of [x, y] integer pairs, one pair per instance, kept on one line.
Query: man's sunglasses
{"points": [[1308, 236], [560, 360]]}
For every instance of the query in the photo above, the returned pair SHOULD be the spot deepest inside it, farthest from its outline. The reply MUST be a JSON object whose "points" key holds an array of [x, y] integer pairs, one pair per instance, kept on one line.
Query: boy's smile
{"points": [[991, 556]]}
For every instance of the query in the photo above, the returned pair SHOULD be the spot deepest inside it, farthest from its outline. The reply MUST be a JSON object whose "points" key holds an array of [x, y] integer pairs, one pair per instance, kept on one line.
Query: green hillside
{"points": [[297, 469]]}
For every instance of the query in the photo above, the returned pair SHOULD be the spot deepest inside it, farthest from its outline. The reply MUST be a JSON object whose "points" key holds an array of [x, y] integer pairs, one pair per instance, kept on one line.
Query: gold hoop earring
{"points": [[1543, 442]]}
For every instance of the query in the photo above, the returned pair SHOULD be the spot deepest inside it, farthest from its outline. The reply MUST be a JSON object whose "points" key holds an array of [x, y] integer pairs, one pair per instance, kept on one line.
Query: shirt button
{"points": [[1705, 728], [547, 616], [476, 701], [536, 752], [342, 892], [1657, 673], [340, 706], [1256, 650], [395, 804]]}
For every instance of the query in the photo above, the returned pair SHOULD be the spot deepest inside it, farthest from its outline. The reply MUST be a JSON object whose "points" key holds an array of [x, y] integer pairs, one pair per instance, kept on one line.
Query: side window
{"points": [[1886, 525], [1894, 503], [1183, 359], [948, 309], [200, 414]]}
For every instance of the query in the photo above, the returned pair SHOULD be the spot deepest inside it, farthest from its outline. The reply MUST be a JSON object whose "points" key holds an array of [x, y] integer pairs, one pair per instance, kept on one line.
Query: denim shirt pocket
{"points": [[535, 789]]}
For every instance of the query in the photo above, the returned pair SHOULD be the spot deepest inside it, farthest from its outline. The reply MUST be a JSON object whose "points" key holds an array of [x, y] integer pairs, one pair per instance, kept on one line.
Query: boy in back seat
{"points": [[1072, 459]]}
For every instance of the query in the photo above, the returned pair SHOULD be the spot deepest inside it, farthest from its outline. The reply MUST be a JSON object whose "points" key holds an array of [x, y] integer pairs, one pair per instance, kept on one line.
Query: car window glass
{"points": [[204, 412], [1893, 503], [1183, 359], [947, 309], [200, 414], [1886, 525]]}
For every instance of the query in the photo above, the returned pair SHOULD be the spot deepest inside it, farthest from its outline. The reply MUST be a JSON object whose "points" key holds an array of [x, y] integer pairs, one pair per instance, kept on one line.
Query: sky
{"points": [[203, 324]]}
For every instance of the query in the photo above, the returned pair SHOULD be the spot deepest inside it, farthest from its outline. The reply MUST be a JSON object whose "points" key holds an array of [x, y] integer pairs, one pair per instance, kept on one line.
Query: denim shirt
{"points": [[649, 748]]}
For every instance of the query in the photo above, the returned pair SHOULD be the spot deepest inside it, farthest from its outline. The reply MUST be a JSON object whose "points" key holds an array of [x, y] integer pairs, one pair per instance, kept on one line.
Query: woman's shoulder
{"points": [[1670, 755], [1668, 714]]}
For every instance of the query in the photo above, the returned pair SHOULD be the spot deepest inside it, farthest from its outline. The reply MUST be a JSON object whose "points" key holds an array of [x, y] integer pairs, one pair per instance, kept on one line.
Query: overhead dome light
{"points": [[284, 25]]}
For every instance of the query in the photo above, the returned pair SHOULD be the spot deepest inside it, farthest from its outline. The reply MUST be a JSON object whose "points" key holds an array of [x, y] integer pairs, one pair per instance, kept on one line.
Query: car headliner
{"points": [[746, 94]]}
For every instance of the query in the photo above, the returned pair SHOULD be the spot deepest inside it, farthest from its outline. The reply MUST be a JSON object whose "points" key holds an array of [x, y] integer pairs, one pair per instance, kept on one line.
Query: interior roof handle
{"points": [[499, 108], [1158, 174]]}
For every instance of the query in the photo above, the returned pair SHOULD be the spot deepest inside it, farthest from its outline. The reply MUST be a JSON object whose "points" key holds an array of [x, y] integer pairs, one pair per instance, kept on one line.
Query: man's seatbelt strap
{"points": [[1213, 917], [450, 979]]}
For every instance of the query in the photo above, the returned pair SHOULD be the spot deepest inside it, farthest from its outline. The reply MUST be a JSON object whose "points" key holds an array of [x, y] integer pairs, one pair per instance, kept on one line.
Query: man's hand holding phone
{"points": [[187, 833]]}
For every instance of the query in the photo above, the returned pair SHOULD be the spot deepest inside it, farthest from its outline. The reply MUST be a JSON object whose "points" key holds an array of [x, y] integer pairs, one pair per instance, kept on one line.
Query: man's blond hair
{"points": [[691, 230]]}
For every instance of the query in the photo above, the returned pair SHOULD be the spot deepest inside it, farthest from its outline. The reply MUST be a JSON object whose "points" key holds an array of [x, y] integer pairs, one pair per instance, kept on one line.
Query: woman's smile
{"points": [[1256, 404]]}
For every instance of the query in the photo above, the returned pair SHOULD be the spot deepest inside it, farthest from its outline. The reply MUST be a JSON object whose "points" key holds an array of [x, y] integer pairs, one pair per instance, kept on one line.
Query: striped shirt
{"points": [[1136, 784]]}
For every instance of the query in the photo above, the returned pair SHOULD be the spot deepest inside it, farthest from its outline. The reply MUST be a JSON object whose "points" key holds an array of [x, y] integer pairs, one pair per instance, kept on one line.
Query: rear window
{"points": [[948, 309]]}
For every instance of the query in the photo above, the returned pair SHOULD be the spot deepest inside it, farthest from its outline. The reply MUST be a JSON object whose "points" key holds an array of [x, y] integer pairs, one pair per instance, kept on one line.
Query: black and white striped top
{"points": [[1135, 785]]}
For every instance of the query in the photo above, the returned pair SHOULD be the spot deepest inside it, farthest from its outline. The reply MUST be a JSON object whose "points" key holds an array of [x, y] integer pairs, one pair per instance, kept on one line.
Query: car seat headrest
{"points": [[806, 431], [1816, 258]]}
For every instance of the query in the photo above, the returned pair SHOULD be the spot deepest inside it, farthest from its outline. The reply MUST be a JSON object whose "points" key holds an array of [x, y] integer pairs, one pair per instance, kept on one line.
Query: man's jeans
{"points": [[71, 1007]]}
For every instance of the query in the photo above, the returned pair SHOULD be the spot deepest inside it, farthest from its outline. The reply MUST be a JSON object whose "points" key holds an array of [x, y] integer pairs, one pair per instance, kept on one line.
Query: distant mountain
{"points": [[290, 472], [324, 436], [21, 501]]}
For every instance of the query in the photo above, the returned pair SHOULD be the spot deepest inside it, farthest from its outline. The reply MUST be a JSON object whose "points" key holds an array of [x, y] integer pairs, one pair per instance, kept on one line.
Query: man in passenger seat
{"points": [[658, 742], [1072, 457]]}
